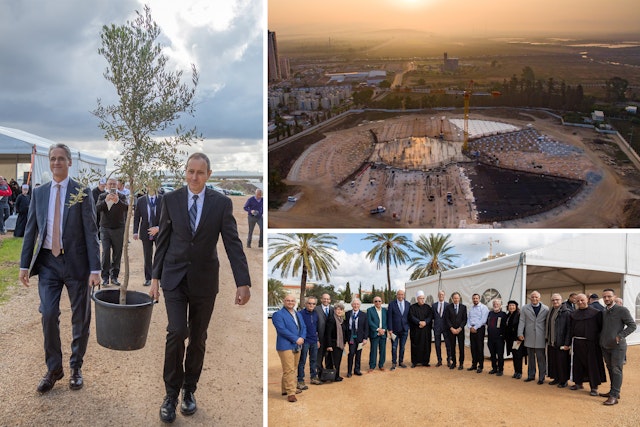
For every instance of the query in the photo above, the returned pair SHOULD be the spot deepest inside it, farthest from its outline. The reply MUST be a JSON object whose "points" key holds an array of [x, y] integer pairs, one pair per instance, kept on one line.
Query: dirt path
{"points": [[424, 396], [126, 388]]}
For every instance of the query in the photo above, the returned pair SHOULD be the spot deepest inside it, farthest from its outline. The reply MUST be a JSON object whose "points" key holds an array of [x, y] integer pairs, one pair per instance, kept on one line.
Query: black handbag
{"points": [[328, 375]]}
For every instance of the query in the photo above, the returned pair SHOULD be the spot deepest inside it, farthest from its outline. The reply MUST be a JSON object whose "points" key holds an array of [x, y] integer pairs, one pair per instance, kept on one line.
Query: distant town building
{"points": [[285, 68], [273, 60], [597, 116], [450, 64]]}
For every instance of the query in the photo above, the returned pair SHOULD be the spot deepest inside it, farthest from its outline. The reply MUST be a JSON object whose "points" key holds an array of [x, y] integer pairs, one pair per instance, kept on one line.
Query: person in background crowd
{"points": [[22, 209], [496, 325], [558, 341], [253, 206], [571, 301], [594, 301], [5, 196], [112, 207], [617, 324]]}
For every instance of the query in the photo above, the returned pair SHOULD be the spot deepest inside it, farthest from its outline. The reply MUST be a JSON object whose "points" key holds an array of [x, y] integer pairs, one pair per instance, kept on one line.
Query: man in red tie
{"points": [[61, 247]]}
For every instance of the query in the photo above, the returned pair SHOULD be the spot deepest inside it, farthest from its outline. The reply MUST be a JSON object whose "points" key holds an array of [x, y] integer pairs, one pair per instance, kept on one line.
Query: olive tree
{"points": [[145, 120]]}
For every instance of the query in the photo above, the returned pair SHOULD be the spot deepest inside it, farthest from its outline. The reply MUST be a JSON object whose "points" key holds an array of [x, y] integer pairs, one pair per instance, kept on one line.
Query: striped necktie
{"points": [[193, 214]]}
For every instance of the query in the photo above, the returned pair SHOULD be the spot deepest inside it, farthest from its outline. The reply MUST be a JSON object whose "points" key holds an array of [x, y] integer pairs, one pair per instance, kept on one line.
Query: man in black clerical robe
{"points": [[586, 324], [420, 320]]}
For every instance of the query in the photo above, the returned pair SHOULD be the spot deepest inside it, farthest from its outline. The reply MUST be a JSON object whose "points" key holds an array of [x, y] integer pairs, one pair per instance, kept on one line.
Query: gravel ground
{"points": [[126, 388]]}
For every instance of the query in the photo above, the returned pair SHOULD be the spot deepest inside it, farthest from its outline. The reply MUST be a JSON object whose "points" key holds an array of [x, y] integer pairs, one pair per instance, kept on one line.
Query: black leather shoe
{"points": [[554, 382], [105, 283], [147, 283], [473, 368], [115, 282], [75, 380], [168, 409], [50, 378], [188, 405], [529, 380], [460, 368], [452, 366]]}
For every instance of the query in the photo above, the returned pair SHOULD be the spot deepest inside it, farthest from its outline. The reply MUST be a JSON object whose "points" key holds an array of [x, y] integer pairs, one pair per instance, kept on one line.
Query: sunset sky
{"points": [[479, 17]]}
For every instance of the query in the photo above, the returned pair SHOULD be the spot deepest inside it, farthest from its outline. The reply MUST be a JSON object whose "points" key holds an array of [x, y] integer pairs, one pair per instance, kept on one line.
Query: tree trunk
{"points": [[303, 286], [388, 279], [125, 245]]}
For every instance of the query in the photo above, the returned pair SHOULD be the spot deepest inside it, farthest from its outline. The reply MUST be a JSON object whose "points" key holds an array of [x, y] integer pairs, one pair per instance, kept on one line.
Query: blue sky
{"points": [[472, 245], [52, 73]]}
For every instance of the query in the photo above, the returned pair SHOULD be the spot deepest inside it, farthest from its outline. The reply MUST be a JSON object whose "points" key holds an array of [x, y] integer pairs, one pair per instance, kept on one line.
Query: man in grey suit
{"points": [[186, 261], [61, 246], [531, 329]]}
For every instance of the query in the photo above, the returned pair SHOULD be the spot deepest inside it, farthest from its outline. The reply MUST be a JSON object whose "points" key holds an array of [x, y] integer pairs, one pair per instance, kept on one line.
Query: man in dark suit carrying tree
{"points": [[186, 262]]}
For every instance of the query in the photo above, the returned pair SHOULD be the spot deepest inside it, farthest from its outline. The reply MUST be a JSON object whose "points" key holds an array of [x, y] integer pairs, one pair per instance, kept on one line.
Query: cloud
{"points": [[52, 72]]}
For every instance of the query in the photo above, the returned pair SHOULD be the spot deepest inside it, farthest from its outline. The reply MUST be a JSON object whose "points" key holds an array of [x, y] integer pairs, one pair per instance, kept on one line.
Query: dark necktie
{"points": [[193, 214], [152, 210]]}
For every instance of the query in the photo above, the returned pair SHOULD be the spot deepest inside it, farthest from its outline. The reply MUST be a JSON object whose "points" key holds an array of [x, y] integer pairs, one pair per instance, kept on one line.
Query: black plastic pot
{"points": [[122, 327]]}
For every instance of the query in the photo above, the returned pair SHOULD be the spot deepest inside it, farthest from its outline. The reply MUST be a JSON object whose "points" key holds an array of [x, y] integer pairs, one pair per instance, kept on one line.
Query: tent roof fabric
{"points": [[15, 141]]}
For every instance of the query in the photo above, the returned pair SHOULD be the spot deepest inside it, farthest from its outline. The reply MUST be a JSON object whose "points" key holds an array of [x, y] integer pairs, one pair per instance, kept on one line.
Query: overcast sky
{"points": [[446, 17], [354, 267], [52, 75]]}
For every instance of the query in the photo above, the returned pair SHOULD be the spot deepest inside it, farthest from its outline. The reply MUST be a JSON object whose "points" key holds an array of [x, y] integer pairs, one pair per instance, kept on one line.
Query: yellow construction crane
{"points": [[467, 97]]}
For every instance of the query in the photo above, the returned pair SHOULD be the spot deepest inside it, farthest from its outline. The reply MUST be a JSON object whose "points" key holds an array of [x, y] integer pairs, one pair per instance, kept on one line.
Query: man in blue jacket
{"points": [[291, 331]]}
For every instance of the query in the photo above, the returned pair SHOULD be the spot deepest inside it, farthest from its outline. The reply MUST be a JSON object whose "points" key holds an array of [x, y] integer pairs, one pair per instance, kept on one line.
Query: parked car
{"points": [[379, 209], [272, 309], [449, 198], [292, 199]]}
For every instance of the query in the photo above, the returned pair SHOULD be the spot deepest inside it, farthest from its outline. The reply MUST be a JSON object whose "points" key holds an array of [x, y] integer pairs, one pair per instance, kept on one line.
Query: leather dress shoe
{"points": [[402, 365], [460, 368], [493, 371], [479, 371], [540, 382], [554, 382], [576, 387], [292, 398], [50, 378], [105, 283], [562, 385], [188, 405], [594, 392], [610, 401], [499, 374], [518, 376], [168, 409], [438, 364], [349, 375], [608, 394], [358, 373], [473, 368], [147, 283], [338, 379], [75, 380], [115, 282], [393, 366], [529, 380]]}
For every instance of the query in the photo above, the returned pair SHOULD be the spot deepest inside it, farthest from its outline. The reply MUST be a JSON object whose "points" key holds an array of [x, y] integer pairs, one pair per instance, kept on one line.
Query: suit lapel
{"points": [[207, 207], [72, 187]]}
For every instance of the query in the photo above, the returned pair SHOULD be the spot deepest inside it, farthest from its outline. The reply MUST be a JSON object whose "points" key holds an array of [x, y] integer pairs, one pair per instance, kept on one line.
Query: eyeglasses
{"points": [[377, 300], [311, 303]]}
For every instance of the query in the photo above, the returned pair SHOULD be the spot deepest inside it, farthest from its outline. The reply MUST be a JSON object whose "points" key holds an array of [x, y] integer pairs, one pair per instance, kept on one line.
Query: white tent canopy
{"points": [[586, 264], [16, 146]]}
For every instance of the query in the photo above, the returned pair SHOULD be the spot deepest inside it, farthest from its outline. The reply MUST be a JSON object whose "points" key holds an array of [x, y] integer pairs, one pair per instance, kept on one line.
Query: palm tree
{"points": [[308, 253], [275, 292], [388, 247], [433, 255]]}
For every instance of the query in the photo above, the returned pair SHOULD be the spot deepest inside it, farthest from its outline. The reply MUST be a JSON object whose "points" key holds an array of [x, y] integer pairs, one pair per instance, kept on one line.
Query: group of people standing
{"points": [[14, 199], [570, 340]]}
